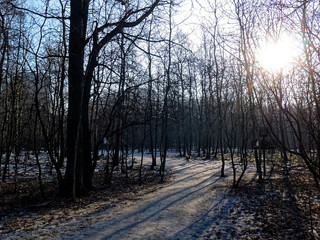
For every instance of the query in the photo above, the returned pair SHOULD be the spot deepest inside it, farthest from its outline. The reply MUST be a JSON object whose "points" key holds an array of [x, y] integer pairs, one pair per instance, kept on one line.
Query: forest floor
{"points": [[193, 203]]}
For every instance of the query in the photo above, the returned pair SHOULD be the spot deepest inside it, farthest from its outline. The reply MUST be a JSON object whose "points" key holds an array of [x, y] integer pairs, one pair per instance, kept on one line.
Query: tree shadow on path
{"points": [[164, 206]]}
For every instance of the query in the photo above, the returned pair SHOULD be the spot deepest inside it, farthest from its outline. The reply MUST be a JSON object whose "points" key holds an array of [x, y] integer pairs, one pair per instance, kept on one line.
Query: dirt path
{"points": [[196, 204]]}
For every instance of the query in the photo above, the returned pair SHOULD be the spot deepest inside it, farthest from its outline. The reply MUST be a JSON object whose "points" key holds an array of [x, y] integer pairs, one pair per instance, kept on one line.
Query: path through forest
{"points": [[197, 204], [194, 203]]}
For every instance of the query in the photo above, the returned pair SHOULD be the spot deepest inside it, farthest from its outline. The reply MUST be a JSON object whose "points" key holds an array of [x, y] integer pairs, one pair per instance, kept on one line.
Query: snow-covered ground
{"points": [[196, 204]]}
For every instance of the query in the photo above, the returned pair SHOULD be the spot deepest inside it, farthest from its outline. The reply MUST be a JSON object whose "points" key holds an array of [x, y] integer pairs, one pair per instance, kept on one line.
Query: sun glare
{"points": [[277, 55]]}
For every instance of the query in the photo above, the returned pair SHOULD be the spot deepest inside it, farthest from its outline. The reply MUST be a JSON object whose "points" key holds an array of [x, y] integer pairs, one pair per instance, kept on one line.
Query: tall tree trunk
{"points": [[61, 93], [74, 172], [165, 115]]}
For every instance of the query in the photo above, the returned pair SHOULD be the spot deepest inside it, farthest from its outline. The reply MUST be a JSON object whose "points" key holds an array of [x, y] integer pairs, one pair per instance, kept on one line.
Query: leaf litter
{"points": [[194, 203]]}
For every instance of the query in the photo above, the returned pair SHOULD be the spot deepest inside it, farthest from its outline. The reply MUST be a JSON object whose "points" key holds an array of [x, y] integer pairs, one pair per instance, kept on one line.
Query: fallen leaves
{"points": [[284, 206]]}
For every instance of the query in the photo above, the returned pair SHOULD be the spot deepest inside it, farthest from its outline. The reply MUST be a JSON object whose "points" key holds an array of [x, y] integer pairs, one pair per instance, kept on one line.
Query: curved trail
{"points": [[195, 205]]}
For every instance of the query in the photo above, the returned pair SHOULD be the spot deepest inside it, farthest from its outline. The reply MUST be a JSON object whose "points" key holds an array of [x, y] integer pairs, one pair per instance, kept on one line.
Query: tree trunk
{"points": [[73, 182]]}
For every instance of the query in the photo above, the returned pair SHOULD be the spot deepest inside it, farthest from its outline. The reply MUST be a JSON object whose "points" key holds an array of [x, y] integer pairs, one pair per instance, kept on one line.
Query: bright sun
{"points": [[274, 56]]}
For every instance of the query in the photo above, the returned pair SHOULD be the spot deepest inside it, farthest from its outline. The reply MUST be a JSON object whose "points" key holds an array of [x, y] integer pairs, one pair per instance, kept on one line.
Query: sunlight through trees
{"points": [[86, 81]]}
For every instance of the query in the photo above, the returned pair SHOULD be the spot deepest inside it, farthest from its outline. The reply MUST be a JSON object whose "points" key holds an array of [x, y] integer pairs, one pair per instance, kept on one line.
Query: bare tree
{"points": [[78, 177]]}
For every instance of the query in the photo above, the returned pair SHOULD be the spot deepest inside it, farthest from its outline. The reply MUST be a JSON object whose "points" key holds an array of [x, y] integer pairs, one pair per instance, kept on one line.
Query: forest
{"points": [[100, 93]]}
